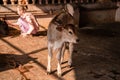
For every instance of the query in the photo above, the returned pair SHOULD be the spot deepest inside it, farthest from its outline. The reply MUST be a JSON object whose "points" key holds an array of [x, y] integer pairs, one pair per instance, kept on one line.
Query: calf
{"points": [[61, 30], [4, 30]]}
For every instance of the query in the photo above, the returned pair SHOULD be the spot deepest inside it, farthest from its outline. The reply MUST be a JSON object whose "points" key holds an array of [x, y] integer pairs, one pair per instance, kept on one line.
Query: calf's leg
{"points": [[59, 54], [49, 59], [62, 52], [70, 51]]}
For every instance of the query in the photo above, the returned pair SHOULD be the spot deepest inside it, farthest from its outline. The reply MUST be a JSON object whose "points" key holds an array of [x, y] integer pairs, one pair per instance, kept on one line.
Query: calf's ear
{"points": [[69, 8]]}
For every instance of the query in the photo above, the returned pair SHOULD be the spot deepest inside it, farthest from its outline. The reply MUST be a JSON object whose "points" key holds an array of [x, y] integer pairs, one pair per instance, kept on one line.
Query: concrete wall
{"points": [[99, 13], [97, 16]]}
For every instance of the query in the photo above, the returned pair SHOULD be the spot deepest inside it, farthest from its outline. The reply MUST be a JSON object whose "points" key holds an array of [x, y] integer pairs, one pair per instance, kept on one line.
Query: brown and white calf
{"points": [[61, 30]]}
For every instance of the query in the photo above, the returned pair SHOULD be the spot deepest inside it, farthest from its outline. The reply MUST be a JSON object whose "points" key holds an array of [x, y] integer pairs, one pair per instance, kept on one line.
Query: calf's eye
{"points": [[70, 32]]}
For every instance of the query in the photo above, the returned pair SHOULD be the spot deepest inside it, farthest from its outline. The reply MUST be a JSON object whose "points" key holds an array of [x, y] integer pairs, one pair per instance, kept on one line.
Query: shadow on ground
{"points": [[12, 61], [97, 56], [15, 32], [12, 32]]}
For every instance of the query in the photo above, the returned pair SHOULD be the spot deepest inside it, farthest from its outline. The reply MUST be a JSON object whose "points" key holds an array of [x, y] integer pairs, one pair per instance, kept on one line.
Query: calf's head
{"points": [[68, 33]]}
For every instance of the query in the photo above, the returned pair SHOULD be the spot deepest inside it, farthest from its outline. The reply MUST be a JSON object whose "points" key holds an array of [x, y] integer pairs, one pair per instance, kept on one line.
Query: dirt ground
{"points": [[96, 56]]}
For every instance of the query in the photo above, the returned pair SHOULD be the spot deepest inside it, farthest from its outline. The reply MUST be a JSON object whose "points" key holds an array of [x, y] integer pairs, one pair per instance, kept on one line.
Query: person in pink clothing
{"points": [[27, 22]]}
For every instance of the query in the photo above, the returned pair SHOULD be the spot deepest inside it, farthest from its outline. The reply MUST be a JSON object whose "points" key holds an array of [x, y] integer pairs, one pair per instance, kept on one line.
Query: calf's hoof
{"points": [[59, 74], [48, 73]]}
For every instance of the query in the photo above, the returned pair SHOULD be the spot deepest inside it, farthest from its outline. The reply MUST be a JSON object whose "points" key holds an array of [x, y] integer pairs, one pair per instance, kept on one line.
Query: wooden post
{"points": [[76, 1], [58, 1], [65, 1], [93, 1], [19, 2], [26, 1], [4, 2], [46, 1], [33, 1], [12, 2], [53, 1], [40, 1], [70, 1], [81, 1], [87, 1], [103, 1]]}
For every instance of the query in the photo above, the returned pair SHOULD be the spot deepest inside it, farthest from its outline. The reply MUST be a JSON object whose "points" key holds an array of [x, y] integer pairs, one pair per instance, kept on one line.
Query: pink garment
{"points": [[24, 25]]}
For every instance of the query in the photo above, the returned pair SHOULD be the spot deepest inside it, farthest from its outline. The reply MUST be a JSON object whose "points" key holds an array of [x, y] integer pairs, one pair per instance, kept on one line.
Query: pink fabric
{"points": [[24, 25]]}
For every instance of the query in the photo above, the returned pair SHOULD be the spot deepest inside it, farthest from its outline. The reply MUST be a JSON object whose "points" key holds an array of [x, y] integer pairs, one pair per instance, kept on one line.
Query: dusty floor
{"points": [[96, 57]]}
